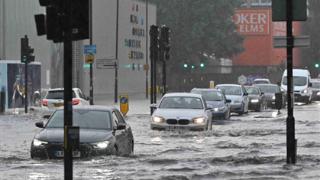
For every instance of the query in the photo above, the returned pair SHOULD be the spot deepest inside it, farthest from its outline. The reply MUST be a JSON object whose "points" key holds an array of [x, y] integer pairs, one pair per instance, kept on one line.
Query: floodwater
{"points": [[251, 146]]}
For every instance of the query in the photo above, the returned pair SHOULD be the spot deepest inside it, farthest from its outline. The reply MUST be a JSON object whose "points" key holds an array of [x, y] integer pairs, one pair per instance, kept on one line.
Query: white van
{"points": [[301, 85]]}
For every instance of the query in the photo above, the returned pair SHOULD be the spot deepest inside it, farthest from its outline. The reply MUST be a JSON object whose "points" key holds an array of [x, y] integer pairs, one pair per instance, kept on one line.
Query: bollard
{"points": [[2, 101]]}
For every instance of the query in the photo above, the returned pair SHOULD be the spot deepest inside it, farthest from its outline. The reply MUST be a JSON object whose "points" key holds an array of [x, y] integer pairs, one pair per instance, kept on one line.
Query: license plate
{"points": [[58, 104], [175, 128], [61, 154]]}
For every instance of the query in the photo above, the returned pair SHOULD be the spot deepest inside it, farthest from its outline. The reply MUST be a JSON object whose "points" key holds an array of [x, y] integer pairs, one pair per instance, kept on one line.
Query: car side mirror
{"points": [[154, 106], [228, 100], [209, 107], [47, 116], [245, 94], [39, 124], [310, 84], [121, 126], [262, 93]]}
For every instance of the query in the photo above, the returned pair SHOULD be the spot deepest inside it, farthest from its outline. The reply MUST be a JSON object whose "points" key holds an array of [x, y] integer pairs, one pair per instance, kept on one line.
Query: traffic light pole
{"points": [[291, 141], [26, 87], [90, 36], [67, 69]]}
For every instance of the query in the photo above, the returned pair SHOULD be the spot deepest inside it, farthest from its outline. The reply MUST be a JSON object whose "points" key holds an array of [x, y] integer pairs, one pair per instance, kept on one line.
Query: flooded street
{"points": [[251, 146]]}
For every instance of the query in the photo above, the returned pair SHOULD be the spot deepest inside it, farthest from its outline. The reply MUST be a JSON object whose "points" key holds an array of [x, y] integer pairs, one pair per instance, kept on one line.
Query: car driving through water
{"points": [[103, 131], [181, 111]]}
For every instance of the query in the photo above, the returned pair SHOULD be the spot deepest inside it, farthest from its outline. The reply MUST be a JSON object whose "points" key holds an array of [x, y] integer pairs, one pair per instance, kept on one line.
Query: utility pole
{"points": [[291, 141]]}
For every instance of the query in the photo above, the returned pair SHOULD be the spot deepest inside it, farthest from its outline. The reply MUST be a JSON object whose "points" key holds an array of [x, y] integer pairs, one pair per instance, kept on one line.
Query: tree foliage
{"points": [[199, 26], [311, 27]]}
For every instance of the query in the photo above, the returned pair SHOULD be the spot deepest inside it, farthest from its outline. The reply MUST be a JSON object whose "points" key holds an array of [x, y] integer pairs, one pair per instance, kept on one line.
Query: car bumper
{"points": [[298, 97], [254, 106], [196, 127], [52, 151], [236, 108], [219, 115]]}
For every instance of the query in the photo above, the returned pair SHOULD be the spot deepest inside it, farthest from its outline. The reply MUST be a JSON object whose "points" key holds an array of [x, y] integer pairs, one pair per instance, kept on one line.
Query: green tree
{"points": [[198, 27], [311, 27]]}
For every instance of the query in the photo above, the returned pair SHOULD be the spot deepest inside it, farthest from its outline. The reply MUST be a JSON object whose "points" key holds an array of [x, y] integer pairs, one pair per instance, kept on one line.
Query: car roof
{"points": [[186, 94], [261, 79], [60, 89], [206, 89], [266, 84], [236, 85], [92, 107]]}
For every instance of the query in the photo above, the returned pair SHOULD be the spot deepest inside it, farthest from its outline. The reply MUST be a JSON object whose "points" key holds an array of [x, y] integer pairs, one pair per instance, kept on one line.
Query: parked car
{"points": [[238, 96], [216, 100], [181, 111], [257, 100], [315, 89], [261, 81], [270, 91], [103, 131], [54, 98]]}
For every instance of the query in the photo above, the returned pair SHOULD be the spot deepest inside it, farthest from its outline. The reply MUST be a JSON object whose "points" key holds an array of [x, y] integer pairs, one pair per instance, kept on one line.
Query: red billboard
{"points": [[256, 25], [252, 21]]}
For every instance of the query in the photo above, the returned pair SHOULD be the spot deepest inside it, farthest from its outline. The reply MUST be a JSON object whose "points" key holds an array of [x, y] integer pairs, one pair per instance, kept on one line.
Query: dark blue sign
{"points": [[90, 49]]}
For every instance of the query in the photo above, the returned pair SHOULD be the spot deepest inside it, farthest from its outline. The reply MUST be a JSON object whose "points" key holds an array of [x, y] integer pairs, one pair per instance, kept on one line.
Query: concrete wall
{"points": [[131, 80]]}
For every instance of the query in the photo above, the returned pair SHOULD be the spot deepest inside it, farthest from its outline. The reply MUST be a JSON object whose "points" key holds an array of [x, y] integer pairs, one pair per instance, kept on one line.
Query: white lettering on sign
{"points": [[253, 22]]}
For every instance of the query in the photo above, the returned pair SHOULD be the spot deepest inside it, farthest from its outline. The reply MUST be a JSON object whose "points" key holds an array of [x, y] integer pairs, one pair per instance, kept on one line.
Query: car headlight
{"points": [[101, 145], [318, 93], [199, 120], [273, 97], [37, 142], [304, 91], [254, 100], [215, 109], [158, 119]]}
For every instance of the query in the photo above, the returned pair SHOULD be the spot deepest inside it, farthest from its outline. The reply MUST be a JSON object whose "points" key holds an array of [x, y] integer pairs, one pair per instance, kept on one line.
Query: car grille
{"points": [[180, 121]]}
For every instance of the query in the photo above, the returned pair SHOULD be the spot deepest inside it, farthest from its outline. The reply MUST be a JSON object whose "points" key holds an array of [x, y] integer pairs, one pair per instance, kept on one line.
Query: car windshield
{"points": [[210, 95], [85, 119], [269, 89], [58, 94], [297, 80], [252, 90], [181, 103], [231, 90]]}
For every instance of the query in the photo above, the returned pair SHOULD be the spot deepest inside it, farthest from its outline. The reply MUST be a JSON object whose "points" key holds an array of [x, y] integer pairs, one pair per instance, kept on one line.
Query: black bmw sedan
{"points": [[103, 131]]}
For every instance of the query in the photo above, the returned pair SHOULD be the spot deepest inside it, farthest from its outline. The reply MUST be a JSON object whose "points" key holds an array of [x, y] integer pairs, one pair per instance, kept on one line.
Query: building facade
{"points": [[119, 32]]}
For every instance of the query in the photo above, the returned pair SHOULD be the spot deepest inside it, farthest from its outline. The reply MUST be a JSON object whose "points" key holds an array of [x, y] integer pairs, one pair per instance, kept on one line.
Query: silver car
{"points": [[238, 96], [181, 111]]}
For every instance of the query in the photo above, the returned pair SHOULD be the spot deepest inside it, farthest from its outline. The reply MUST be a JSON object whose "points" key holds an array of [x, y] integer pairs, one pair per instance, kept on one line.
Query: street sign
{"points": [[242, 79], [299, 11], [105, 64], [298, 41], [89, 58], [90, 49]]}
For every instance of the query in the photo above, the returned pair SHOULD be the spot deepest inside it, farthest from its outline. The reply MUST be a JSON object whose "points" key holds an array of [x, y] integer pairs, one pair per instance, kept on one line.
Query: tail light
{"points": [[44, 102], [75, 101]]}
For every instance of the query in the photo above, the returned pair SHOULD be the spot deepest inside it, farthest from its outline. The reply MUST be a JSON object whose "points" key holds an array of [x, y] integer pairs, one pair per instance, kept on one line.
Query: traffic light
{"points": [[154, 42], [193, 66], [185, 65], [26, 51], [54, 22], [165, 41], [316, 65], [202, 65]]}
